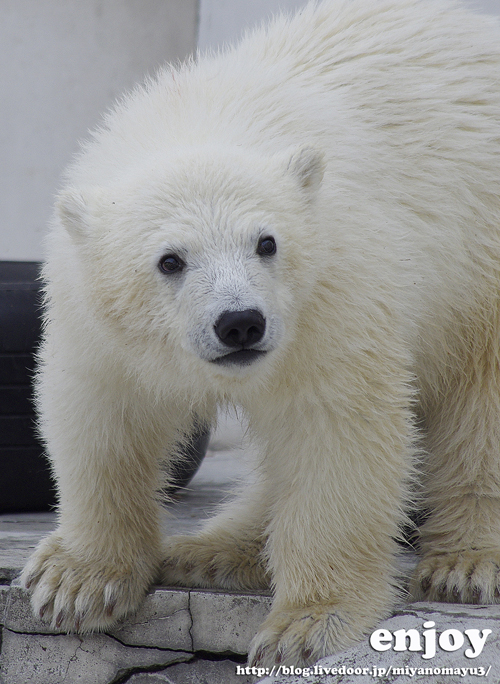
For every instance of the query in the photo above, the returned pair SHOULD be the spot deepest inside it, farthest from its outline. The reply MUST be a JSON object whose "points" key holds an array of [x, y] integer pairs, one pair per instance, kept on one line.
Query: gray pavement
{"points": [[182, 636]]}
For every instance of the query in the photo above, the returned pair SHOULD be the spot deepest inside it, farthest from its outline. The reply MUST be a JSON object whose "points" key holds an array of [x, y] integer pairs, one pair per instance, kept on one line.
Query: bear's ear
{"points": [[73, 210], [308, 166]]}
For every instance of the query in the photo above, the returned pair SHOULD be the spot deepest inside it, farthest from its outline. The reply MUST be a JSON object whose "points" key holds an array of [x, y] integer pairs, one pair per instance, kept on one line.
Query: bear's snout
{"points": [[240, 330]]}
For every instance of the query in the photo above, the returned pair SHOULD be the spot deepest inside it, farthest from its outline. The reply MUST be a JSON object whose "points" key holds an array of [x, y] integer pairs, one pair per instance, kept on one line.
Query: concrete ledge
{"points": [[173, 626], [188, 636]]}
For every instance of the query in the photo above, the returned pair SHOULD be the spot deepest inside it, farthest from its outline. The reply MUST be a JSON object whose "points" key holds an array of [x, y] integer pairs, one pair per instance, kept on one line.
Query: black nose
{"points": [[240, 329]]}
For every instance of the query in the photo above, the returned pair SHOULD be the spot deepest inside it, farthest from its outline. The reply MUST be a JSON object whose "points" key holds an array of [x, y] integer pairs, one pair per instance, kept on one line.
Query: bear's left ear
{"points": [[308, 166], [72, 208]]}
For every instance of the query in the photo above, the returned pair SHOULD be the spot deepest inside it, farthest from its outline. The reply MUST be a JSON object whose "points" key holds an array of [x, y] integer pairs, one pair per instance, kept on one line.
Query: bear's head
{"points": [[208, 256]]}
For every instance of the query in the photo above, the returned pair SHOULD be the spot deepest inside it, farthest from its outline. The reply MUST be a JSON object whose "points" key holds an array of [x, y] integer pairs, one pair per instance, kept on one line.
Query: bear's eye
{"points": [[170, 263], [266, 246]]}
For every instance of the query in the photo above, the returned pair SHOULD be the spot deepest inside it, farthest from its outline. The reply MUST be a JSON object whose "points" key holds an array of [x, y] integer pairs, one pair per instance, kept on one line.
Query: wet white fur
{"points": [[363, 136]]}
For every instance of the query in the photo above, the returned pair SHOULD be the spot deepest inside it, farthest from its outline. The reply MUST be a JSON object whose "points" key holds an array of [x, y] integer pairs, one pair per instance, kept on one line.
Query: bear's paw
{"points": [[214, 561], [301, 636], [76, 596], [468, 576]]}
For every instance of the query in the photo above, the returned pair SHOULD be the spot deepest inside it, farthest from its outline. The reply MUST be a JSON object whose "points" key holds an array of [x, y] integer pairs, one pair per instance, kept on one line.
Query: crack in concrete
{"points": [[190, 630], [106, 634], [41, 634], [198, 657], [73, 658], [151, 648], [124, 676], [207, 656]]}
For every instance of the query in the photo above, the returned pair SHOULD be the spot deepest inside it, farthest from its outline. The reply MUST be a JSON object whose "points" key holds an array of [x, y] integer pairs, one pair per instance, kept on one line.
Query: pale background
{"points": [[62, 62]]}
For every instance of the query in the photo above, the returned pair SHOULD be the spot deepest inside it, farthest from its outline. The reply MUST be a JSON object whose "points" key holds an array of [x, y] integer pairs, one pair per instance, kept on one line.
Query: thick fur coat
{"points": [[308, 227]]}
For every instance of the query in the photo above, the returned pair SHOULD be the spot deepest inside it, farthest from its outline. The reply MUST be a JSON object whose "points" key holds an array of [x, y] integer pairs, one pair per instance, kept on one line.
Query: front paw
{"points": [[196, 561], [75, 596], [301, 636], [468, 576]]}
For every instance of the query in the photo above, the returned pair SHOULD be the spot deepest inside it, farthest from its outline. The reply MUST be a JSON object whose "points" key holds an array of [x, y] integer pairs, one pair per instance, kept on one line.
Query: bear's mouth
{"points": [[242, 357]]}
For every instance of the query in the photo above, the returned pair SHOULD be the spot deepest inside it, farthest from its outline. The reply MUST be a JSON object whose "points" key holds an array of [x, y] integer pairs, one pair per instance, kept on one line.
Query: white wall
{"points": [[62, 62]]}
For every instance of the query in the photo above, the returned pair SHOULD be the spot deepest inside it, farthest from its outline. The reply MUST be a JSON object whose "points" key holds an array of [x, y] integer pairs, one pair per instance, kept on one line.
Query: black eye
{"points": [[170, 263], [266, 246]]}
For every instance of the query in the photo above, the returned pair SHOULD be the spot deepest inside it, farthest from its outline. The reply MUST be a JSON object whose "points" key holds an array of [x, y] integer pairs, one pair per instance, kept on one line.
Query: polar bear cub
{"points": [[307, 227]]}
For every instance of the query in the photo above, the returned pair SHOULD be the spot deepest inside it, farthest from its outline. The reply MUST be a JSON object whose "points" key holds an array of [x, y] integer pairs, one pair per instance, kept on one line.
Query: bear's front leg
{"points": [[98, 565], [339, 483]]}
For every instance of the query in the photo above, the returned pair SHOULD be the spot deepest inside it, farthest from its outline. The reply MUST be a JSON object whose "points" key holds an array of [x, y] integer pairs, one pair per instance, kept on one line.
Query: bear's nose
{"points": [[240, 328]]}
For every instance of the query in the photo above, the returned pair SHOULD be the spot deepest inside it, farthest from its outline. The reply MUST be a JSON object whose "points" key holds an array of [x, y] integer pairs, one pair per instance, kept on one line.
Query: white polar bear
{"points": [[308, 227]]}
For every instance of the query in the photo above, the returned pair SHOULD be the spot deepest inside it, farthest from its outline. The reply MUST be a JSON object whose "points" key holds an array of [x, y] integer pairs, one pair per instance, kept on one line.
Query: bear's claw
{"points": [[468, 576]]}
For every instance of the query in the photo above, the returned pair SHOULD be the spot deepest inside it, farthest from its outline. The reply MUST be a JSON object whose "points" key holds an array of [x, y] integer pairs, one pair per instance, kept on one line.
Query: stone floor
{"points": [[182, 636]]}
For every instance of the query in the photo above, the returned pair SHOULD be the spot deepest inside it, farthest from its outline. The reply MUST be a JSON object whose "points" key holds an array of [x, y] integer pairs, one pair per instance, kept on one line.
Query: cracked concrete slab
{"points": [[164, 620], [51, 659], [170, 627], [433, 663], [197, 671], [226, 621]]}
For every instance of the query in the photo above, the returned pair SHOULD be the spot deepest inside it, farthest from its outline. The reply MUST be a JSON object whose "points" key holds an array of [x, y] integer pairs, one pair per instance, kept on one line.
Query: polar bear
{"points": [[306, 226]]}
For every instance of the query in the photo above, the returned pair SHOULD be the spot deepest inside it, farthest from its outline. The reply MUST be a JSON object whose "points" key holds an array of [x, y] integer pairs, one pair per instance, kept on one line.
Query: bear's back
{"points": [[410, 71]]}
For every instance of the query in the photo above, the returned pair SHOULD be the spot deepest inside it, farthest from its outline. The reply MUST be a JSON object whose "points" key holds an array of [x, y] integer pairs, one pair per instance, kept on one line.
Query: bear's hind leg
{"points": [[227, 553], [460, 542]]}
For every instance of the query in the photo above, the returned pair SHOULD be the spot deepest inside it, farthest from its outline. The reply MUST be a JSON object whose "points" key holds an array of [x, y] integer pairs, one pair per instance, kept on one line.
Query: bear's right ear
{"points": [[73, 211], [307, 165]]}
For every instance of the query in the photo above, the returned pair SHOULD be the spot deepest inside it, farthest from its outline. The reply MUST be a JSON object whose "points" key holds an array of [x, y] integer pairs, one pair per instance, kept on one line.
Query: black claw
{"points": [[425, 583], [307, 654], [441, 589], [59, 619], [476, 595], [259, 656], [109, 608]]}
